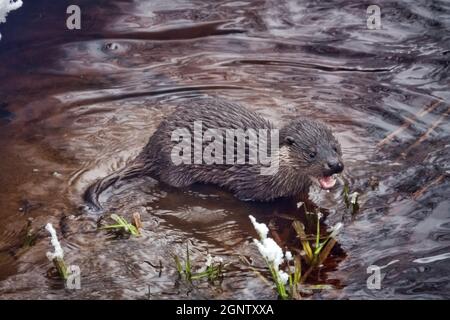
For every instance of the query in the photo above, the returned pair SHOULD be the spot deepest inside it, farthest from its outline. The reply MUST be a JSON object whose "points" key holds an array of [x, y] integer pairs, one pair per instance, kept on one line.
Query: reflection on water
{"points": [[76, 105]]}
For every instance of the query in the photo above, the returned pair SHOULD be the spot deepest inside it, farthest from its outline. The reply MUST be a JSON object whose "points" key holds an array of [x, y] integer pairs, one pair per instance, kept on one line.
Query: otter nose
{"points": [[335, 166]]}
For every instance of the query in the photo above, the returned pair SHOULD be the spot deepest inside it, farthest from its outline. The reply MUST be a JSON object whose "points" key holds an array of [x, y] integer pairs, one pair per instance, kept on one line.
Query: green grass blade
{"points": [[317, 232], [178, 265], [188, 263], [300, 230], [111, 226], [326, 251], [297, 271]]}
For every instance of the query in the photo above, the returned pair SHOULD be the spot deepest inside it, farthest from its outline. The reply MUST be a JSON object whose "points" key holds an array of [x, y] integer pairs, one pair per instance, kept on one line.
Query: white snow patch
{"points": [[261, 228], [270, 250], [288, 256], [59, 253], [354, 197], [284, 277]]}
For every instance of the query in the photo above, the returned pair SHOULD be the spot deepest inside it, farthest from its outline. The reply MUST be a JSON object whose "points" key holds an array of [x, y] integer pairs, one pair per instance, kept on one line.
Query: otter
{"points": [[307, 153]]}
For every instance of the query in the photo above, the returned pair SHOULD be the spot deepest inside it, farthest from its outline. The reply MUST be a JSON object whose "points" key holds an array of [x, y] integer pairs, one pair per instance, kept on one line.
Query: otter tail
{"points": [[93, 192]]}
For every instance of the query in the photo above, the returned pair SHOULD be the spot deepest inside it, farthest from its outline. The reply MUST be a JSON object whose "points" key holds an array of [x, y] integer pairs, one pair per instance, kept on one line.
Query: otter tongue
{"points": [[327, 182]]}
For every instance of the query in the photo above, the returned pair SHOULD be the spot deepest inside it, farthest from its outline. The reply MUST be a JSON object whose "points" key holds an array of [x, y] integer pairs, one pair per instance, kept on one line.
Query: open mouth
{"points": [[327, 182]]}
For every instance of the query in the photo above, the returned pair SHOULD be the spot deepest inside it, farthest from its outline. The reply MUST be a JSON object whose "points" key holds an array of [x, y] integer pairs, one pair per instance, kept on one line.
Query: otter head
{"points": [[311, 149]]}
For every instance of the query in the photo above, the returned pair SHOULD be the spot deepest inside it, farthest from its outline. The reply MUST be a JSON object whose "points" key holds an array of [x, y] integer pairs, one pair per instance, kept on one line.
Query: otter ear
{"points": [[289, 140]]}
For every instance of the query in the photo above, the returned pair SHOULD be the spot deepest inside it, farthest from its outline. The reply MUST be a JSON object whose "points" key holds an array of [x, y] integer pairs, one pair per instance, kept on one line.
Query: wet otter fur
{"points": [[308, 153]]}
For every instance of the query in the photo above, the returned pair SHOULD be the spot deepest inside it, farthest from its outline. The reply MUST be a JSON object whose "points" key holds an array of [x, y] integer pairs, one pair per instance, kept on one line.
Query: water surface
{"points": [[77, 105]]}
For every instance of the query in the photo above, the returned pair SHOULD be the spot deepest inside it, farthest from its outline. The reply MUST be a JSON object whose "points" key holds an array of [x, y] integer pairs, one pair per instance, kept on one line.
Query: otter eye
{"points": [[290, 140], [335, 149], [312, 154]]}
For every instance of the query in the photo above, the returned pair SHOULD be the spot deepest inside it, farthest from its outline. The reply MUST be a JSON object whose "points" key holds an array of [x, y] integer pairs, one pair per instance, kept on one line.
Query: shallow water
{"points": [[77, 105]]}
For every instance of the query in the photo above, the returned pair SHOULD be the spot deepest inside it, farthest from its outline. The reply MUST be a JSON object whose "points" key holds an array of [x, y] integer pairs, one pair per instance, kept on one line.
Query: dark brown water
{"points": [[76, 105]]}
